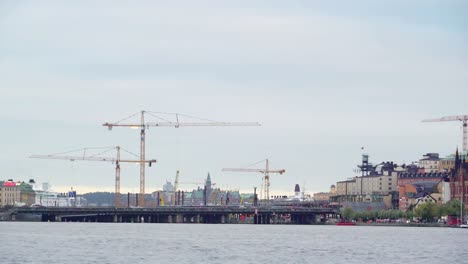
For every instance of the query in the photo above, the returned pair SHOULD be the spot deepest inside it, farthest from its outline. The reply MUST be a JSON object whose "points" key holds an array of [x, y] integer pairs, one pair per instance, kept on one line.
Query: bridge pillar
{"points": [[223, 219], [116, 218], [179, 218], [169, 219], [197, 219], [274, 219]]}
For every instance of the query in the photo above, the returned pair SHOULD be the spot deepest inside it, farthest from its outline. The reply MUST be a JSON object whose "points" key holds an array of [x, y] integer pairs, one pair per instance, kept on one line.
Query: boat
{"points": [[346, 223]]}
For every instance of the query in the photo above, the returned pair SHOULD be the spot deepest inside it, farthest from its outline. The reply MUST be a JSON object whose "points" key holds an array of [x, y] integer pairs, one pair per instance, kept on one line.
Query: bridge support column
{"points": [[223, 219], [169, 219], [116, 218], [197, 219], [179, 218]]}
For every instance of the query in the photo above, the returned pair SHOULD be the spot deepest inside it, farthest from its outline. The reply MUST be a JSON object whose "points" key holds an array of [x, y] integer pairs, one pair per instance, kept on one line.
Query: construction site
{"points": [[173, 195]]}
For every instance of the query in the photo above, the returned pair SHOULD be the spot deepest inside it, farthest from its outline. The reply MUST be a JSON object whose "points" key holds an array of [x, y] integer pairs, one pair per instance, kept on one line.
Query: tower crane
{"points": [[266, 178], [117, 160], [462, 118], [164, 122]]}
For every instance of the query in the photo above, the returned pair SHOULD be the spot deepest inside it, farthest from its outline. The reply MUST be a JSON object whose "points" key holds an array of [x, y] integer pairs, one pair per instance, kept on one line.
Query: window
{"points": [[389, 188], [380, 188]]}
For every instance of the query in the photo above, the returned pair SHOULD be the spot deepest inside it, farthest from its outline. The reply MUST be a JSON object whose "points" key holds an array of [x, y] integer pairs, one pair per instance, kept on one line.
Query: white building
{"points": [[45, 197], [430, 162]]}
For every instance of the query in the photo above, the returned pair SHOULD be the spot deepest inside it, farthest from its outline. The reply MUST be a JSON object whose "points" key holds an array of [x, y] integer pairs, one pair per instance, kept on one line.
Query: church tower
{"points": [[208, 190]]}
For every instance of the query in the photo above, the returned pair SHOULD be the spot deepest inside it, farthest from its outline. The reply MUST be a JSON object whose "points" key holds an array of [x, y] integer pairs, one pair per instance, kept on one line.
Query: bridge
{"points": [[179, 214]]}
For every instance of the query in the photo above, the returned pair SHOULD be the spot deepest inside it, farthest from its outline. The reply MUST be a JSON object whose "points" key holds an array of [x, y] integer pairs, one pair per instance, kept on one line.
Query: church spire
{"points": [[208, 179]]}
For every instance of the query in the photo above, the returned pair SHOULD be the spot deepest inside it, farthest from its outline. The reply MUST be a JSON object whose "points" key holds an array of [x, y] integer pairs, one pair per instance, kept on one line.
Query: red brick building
{"points": [[459, 180]]}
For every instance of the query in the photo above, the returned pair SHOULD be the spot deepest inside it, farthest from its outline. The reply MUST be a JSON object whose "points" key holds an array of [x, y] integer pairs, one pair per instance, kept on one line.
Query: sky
{"points": [[324, 78]]}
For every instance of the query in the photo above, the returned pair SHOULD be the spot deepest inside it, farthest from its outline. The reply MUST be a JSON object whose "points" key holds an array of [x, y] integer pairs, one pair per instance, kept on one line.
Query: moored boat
{"points": [[346, 223]]}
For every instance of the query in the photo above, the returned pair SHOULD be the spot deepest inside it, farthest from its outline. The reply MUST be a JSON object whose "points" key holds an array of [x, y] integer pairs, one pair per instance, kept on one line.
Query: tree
{"points": [[347, 213], [427, 211], [452, 208]]}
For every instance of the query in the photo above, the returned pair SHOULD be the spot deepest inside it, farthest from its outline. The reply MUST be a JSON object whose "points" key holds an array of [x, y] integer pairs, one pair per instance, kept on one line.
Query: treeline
{"points": [[428, 212], [99, 198]]}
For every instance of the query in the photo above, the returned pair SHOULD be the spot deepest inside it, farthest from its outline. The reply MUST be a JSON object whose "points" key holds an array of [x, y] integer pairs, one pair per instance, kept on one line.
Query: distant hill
{"points": [[99, 198]]}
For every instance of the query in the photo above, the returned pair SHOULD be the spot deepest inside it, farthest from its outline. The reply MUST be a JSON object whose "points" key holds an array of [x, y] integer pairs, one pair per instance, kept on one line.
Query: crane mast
{"points": [[116, 160], [463, 119], [266, 178], [165, 123], [117, 179], [142, 158]]}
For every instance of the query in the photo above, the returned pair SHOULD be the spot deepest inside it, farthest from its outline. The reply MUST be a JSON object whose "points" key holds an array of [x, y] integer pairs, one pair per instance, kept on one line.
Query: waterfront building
{"points": [[10, 193], [377, 184], [459, 179], [55, 199], [410, 194], [367, 188], [27, 194], [426, 198]]}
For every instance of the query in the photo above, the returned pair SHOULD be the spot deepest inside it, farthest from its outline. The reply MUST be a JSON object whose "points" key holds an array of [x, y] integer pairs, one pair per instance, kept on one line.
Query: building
{"points": [[168, 193], [367, 188], [425, 198], [325, 196], [448, 163], [10, 193], [411, 194], [430, 162], [459, 180], [208, 191], [377, 184], [409, 178]]}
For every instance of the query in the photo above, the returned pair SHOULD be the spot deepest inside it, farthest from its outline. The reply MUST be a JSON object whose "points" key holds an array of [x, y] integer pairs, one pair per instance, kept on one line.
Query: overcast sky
{"points": [[324, 78]]}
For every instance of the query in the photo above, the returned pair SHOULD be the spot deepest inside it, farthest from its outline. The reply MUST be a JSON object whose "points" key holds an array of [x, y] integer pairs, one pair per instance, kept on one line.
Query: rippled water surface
{"points": [[23, 242]]}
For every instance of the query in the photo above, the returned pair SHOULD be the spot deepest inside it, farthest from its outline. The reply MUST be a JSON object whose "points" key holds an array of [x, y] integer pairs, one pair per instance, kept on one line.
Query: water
{"points": [[26, 242]]}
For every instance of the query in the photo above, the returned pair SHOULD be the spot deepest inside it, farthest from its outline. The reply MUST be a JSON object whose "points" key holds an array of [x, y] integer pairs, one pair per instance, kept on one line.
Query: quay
{"points": [[178, 214]]}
